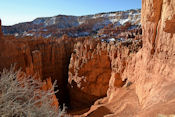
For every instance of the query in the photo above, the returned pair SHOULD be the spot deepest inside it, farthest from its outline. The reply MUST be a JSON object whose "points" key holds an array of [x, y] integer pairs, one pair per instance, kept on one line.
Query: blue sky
{"points": [[15, 11]]}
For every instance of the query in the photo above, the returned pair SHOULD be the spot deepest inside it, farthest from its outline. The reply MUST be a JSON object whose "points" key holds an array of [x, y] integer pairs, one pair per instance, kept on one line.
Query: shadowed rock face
{"points": [[43, 58]]}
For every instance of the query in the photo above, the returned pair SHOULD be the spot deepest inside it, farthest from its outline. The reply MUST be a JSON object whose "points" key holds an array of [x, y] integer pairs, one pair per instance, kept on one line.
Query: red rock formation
{"points": [[153, 71], [47, 86], [37, 63], [91, 67], [125, 31], [89, 73], [120, 57], [43, 58], [96, 67], [12, 52]]}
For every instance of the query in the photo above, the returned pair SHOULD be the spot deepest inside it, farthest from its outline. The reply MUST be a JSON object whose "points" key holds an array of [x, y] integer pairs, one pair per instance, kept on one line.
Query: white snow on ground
{"points": [[81, 22], [137, 14], [50, 21], [108, 15], [134, 17], [16, 34], [113, 20], [48, 35], [130, 13], [105, 15], [123, 21], [112, 14], [111, 39], [28, 34], [53, 20]]}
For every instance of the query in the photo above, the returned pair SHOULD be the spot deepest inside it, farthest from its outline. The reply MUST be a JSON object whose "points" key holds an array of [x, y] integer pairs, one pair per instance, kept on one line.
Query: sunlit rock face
{"points": [[151, 69], [149, 89], [89, 73], [155, 79]]}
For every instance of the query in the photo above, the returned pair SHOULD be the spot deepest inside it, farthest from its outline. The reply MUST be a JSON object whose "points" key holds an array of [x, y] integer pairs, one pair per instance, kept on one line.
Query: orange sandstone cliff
{"points": [[152, 69]]}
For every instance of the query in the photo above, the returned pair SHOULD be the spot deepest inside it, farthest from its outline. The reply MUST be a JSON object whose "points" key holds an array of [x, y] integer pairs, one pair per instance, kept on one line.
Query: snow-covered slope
{"points": [[119, 17], [75, 24]]}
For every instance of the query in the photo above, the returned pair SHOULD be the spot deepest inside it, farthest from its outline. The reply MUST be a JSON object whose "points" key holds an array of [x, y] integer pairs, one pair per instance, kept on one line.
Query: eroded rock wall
{"points": [[89, 73], [120, 56], [15, 52], [96, 69], [152, 68], [43, 58]]}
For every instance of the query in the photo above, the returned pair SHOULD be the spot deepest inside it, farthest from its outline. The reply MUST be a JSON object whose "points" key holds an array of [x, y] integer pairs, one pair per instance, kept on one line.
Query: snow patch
{"points": [[113, 20], [111, 39], [81, 22], [53, 20], [123, 21], [48, 35]]}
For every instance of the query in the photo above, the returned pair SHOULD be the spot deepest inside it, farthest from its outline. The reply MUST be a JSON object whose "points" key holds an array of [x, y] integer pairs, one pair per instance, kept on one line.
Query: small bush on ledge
{"points": [[23, 96]]}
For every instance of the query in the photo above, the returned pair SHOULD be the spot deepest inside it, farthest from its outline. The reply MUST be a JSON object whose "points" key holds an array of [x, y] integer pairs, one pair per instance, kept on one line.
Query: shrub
{"points": [[24, 97]]}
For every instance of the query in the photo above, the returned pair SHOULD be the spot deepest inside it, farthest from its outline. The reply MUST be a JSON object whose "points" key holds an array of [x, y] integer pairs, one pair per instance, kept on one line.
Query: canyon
{"points": [[130, 74]]}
